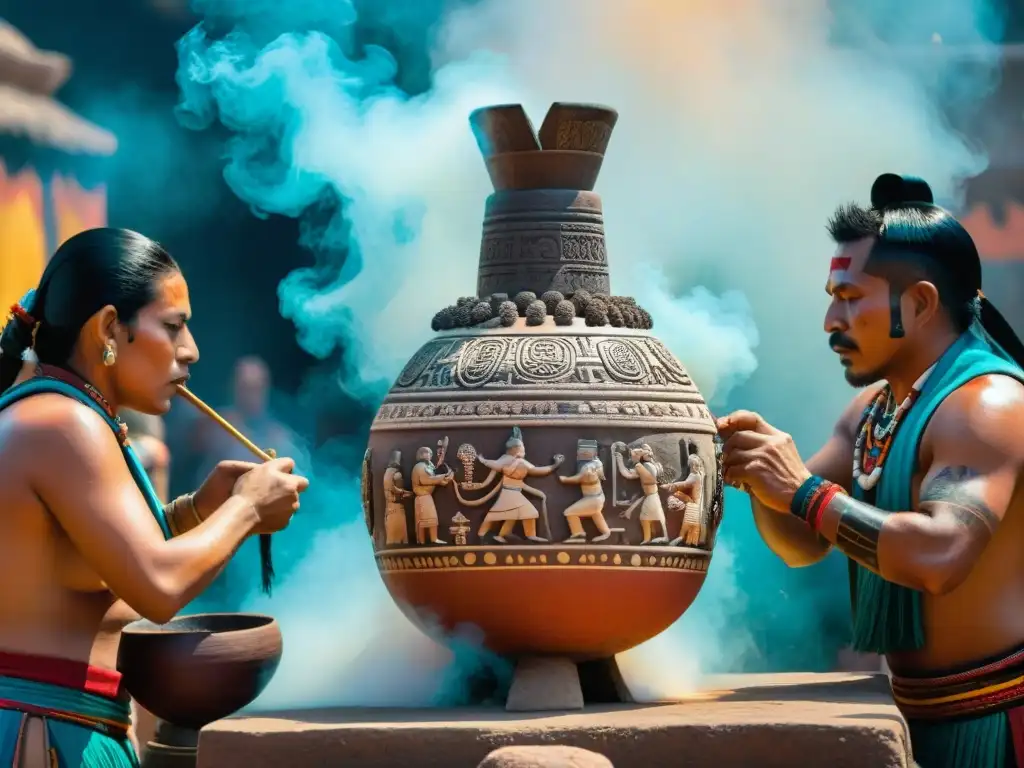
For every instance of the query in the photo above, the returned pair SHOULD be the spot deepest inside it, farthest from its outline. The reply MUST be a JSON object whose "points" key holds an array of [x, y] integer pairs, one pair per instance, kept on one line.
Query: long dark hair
{"points": [[91, 270]]}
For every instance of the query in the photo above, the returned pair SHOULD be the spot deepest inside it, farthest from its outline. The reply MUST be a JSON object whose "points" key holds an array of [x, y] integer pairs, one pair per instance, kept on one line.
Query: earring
{"points": [[109, 356]]}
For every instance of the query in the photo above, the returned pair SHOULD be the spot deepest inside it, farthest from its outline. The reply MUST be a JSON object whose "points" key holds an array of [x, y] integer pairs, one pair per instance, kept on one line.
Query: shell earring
{"points": [[109, 356]]}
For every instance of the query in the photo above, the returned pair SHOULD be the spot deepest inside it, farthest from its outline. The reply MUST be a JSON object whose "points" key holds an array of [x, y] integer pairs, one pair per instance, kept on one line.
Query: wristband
{"points": [[799, 506], [192, 506], [811, 499], [820, 501]]}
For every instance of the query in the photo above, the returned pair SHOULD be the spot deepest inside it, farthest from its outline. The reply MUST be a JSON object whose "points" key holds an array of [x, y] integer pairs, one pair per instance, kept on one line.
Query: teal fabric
{"points": [[887, 616], [77, 746], [42, 384], [980, 742]]}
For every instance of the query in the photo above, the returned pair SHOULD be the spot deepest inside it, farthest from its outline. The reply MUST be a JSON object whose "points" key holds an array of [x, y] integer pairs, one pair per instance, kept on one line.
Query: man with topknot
{"points": [[918, 484]]}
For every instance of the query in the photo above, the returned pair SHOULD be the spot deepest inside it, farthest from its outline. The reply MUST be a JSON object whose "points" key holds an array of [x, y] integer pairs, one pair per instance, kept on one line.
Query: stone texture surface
{"points": [[545, 757], [544, 684], [833, 720]]}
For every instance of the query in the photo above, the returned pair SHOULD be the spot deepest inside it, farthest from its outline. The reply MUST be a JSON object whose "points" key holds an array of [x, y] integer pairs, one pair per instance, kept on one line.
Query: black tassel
{"points": [[266, 564]]}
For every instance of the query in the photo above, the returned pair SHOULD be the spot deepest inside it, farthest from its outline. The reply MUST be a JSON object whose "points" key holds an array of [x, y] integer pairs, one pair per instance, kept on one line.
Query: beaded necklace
{"points": [[878, 430], [53, 372]]}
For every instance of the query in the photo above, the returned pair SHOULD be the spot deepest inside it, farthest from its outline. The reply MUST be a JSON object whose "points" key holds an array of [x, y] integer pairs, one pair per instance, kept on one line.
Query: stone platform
{"points": [[835, 720]]}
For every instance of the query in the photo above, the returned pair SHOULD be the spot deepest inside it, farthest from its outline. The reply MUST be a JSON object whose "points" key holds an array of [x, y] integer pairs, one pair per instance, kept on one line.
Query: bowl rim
{"points": [[162, 629]]}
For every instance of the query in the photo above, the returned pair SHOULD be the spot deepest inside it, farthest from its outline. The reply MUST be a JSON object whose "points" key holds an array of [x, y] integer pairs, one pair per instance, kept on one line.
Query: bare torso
{"points": [[55, 604], [982, 616], [514, 470]]}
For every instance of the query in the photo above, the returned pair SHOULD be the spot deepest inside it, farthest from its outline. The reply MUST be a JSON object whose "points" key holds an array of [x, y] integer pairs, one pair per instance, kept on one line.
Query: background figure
{"points": [[249, 412]]}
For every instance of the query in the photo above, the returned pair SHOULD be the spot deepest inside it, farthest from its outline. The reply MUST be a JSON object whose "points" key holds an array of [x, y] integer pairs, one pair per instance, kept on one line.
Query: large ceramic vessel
{"points": [[517, 428]]}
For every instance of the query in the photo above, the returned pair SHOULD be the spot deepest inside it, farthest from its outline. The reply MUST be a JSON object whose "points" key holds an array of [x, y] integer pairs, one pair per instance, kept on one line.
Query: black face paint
{"points": [[896, 330]]}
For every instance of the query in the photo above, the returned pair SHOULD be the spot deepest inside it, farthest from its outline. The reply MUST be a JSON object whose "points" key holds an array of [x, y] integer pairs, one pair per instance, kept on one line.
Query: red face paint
{"points": [[839, 264]]}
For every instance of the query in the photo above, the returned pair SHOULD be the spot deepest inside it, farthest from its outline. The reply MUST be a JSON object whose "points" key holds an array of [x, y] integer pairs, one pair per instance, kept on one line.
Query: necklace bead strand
{"points": [[878, 431]]}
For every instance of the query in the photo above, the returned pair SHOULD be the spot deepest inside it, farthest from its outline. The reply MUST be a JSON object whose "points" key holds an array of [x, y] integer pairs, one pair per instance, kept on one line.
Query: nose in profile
{"points": [[188, 350], [834, 321]]}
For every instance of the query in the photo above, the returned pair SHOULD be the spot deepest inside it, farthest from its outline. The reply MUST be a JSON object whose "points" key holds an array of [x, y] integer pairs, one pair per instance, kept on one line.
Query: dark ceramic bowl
{"points": [[197, 669], [545, 169]]}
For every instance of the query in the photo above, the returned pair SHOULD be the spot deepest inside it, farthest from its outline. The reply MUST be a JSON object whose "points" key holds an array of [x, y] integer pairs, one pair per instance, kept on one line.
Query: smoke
{"points": [[743, 123]]}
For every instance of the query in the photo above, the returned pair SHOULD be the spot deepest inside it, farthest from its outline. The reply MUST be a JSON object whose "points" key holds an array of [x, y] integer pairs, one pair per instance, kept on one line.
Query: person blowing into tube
{"points": [[83, 534]]}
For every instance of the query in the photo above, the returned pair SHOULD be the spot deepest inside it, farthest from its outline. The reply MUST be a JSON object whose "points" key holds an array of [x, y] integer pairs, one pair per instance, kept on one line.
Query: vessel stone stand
{"points": [[545, 470]]}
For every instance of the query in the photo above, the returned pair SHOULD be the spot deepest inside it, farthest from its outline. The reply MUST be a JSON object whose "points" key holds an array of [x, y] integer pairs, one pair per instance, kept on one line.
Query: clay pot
{"points": [[503, 403], [197, 669]]}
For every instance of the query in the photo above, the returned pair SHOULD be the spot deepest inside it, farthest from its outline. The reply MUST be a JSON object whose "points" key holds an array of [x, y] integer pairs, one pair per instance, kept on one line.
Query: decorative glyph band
{"points": [[453, 558], [556, 413]]}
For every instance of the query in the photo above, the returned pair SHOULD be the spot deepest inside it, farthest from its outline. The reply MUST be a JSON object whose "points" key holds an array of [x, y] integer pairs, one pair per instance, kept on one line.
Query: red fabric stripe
{"points": [[1017, 732], [63, 672], [839, 263]]}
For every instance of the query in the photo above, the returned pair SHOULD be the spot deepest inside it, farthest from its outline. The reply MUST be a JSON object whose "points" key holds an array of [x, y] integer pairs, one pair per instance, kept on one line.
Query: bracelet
{"points": [[820, 501], [175, 511], [811, 499], [170, 513], [799, 507], [192, 506]]}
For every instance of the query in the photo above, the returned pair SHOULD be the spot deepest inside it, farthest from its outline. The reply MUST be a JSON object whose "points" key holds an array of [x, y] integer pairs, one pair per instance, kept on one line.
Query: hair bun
{"points": [[891, 191]]}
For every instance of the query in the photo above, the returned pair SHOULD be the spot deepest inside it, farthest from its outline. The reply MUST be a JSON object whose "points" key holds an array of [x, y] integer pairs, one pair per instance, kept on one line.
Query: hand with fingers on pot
{"points": [[760, 459]]}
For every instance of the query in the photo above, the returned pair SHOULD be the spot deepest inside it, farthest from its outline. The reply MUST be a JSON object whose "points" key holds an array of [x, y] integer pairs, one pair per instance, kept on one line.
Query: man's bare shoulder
{"points": [[985, 413]]}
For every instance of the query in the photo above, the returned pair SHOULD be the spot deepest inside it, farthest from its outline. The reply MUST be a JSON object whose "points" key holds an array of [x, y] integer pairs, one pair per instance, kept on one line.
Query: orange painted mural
{"points": [[23, 250], [997, 241], [24, 245], [77, 209]]}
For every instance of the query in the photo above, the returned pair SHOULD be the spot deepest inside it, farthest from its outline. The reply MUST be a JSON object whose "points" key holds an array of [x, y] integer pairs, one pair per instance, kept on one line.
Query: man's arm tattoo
{"points": [[860, 525], [950, 491]]}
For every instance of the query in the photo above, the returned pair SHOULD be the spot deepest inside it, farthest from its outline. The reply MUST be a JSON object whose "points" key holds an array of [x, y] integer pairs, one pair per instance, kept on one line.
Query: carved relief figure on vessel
{"points": [[395, 525], [511, 505], [589, 476], [687, 496], [645, 469], [424, 482]]}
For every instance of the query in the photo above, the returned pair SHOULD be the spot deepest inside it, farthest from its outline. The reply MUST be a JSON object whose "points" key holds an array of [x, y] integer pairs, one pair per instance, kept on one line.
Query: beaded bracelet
{"points": [[811, 499]]}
